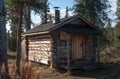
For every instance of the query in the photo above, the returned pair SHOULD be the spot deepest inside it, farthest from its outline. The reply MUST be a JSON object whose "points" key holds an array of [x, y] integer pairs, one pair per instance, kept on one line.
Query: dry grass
{"points": [[29, 70], [110, 55], [32, 70]]}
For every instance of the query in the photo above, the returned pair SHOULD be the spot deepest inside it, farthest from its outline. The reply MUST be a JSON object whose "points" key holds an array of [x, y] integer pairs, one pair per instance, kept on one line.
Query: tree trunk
{"points": [[44, 17], [45, 11], [28, 18], [20, 20], [3, 38]]}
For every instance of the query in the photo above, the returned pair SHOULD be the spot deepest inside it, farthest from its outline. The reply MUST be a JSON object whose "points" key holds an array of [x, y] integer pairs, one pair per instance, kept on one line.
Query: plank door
{"points": [[78, 47]]}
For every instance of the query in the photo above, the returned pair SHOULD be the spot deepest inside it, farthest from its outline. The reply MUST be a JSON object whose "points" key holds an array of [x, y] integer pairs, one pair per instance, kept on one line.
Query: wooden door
{"points": [[78, 47]]}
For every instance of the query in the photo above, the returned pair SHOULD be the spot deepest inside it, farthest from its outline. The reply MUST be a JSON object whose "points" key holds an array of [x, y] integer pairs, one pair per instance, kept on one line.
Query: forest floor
{"points": [[37, 71]]}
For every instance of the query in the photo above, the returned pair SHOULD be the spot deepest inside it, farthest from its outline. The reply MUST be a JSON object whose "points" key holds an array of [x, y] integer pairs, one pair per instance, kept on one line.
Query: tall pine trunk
{"points": [[20, 20], [3, 38], [28, 18]]}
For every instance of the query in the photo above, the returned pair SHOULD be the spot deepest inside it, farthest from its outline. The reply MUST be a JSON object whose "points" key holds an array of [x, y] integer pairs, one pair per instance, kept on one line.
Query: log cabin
{"points": [[67, 43]]}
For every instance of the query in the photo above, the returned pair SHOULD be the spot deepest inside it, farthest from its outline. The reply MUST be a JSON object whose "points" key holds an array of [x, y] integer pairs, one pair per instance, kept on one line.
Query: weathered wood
{"points": [[98, 52], [27, 47], [40, 49], [63, 40], [78, 47], [63, 35], [68, 50], [91, 46], [63, 43], [54, 56], [84, 51], [40, 36], [40, 41]]}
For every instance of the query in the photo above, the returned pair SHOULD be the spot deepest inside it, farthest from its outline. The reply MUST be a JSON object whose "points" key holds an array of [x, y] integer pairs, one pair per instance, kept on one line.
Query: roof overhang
{"points": [[74, 28]]}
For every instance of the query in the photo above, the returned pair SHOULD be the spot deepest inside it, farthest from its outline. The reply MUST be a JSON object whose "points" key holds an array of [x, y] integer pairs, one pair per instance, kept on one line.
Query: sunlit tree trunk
{"points": [[3, 38]]}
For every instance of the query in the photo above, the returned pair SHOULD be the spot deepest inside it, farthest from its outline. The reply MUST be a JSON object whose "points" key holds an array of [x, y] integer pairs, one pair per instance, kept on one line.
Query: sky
{"points": [[113, 11], [69, 3], [61, 3], [113, 8]]}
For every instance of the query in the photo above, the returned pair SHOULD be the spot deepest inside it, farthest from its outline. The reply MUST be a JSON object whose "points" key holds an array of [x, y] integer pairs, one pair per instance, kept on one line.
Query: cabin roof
{"points": [[50, 26]]}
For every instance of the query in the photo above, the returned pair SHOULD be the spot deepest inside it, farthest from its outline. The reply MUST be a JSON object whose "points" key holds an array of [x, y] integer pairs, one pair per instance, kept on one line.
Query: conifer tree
{"points": [[92, 10]]}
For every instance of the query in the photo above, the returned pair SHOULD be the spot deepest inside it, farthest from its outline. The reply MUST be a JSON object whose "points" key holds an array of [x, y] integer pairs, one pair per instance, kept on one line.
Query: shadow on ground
{"points": [[107, 71]]}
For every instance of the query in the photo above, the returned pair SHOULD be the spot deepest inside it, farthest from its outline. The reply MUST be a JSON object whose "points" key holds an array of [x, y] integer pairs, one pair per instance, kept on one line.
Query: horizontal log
{"points": [[40, 49], [44, 61], [63, 44], [63, 41], [34, 39], [39, 45], [40, 36], [36, 54], [62, 50], [40, 41], [63, 35], [62, 47], [63, 55], [39, 56]]}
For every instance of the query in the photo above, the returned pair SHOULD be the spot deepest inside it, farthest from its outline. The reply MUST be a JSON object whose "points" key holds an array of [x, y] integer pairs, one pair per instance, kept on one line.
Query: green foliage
{"points": [[117, 34], [12, 36], [11, 42], [93, 10], [117, 27]]}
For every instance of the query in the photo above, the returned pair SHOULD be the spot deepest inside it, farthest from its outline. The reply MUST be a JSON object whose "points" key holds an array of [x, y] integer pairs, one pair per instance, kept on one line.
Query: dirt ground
{"points": [[106, 71]]}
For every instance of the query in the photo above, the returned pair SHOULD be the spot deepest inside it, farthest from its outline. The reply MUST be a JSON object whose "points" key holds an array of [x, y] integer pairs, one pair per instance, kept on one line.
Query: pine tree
{"points": [[117, 28], [109, 33], [92, 10]]}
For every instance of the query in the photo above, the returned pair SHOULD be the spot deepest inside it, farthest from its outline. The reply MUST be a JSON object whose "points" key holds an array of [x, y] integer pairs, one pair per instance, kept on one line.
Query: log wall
{"points": [[59, 48], [63, 48], [55, 44], [40, 48], [91, 47]]}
